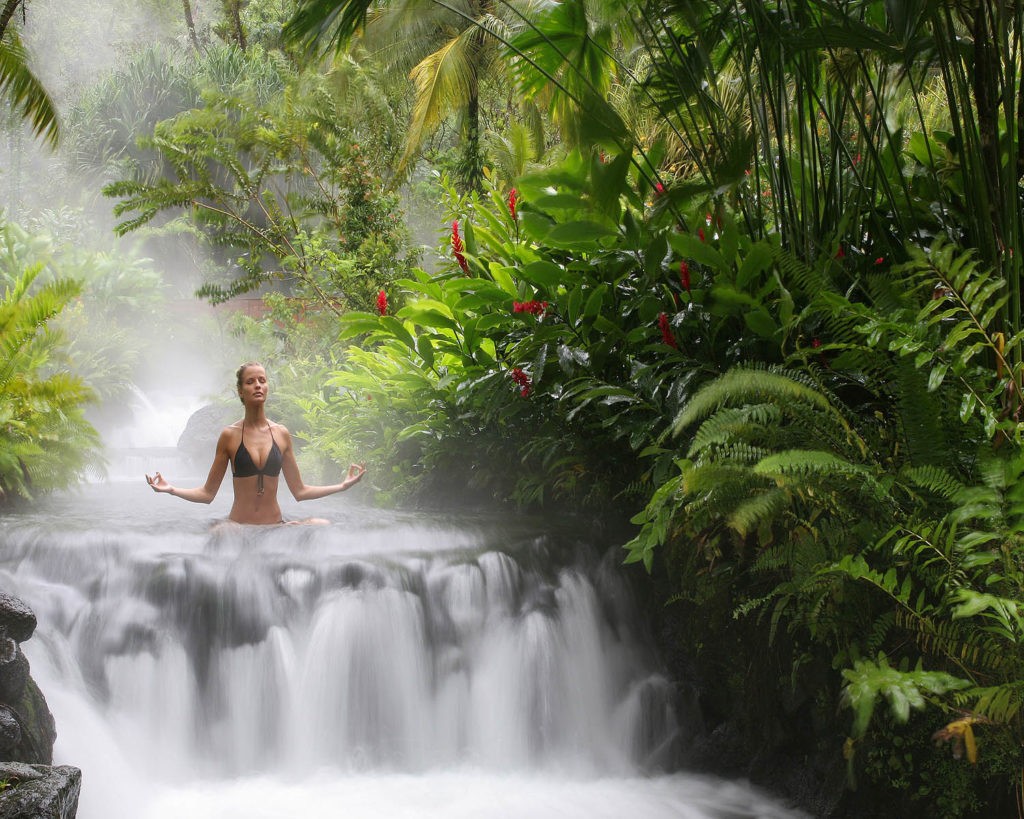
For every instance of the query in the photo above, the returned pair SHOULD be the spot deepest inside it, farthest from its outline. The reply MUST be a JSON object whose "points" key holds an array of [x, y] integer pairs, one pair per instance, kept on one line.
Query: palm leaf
{"points": [[325, 25], [444, 81], [24, 91]]}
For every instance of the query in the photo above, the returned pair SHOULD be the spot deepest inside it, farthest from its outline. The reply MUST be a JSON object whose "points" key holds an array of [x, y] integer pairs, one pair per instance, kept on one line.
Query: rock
{"points": [[39, 791], [199, 439], [10, 730], [16, 619], [13, 677], [38, 731]]}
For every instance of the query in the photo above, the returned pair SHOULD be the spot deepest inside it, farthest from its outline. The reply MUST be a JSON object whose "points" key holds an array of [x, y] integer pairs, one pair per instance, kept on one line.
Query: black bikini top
{"points": [[245, 467]]}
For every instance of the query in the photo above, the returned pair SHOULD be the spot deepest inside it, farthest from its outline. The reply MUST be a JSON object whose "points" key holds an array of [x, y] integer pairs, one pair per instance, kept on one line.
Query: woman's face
{"points": [[254, 385]]}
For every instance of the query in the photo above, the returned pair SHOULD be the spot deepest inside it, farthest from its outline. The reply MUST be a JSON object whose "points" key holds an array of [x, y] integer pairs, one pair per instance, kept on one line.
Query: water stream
{"points": [[385, 665]]}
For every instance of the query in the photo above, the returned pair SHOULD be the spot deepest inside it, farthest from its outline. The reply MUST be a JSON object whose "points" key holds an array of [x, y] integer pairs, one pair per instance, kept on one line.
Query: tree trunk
{"points": [[10, 6], [190, 23], [472, 165], [986, 99], [233, 11]]}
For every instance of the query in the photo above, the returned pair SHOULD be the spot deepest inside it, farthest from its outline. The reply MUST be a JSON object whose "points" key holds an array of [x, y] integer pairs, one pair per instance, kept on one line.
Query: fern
{"points": [[868, 681]]}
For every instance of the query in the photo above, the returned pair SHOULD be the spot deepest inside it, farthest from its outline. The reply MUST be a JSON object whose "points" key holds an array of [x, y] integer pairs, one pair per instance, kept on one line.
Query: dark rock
{"points": [[10, 730], [38, 732], [13, 677], [17, 620], [199, 439], [39, 791]]}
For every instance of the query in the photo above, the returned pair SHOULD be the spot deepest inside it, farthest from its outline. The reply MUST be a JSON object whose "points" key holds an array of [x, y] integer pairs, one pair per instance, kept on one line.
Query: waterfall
{"points": [[266, 671]]}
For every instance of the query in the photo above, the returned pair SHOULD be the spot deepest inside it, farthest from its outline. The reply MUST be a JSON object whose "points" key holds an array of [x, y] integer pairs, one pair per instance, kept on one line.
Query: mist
{"points": [[138, 319]]}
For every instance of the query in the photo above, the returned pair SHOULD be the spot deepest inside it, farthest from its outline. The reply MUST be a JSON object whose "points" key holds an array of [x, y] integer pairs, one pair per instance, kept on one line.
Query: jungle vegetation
{"points": [[742, 275]]}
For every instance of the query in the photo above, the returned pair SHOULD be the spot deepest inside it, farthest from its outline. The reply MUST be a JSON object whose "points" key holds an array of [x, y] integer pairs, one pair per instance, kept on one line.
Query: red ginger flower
{"points": [[382, 302], [458, 248], [521, 380], [534, 307], [513, 200], [666, 331], [684, 275]]}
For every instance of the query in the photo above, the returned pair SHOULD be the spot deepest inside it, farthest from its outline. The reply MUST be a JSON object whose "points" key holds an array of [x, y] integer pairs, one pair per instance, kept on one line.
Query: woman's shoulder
{"points": [[232, 430], [279, 429]]}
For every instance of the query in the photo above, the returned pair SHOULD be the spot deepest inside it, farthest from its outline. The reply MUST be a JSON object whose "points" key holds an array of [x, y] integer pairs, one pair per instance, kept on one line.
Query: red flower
{"points": [[815, 342], [458, 248], [880, 260], [382, 302], [700, 234], [684, 275], [840, 253], [534, 307], [659, 189], [666, 331], [856, 160], [521, 380], [513, 200]]}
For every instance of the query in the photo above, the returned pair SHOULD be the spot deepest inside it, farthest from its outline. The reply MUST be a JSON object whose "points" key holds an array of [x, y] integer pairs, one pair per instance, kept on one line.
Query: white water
{"points": [[384, 665]]}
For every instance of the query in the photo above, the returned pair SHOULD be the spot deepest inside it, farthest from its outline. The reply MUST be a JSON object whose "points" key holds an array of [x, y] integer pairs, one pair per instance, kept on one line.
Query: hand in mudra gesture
{"points": [[355, 473]]}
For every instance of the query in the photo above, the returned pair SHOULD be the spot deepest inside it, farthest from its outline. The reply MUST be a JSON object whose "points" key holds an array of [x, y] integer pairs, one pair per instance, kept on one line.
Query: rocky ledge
{"points": [[30, 786]]}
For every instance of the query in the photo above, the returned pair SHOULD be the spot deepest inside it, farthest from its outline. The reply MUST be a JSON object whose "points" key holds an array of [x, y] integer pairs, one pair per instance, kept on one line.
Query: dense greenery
{"points": [[45, 441], [743, 274], [791, 324]]}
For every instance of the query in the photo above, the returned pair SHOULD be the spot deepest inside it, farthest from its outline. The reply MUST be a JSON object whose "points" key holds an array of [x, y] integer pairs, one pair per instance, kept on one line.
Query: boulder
{"points": [[38, 731], [10, 730], [199, 438], [39, 791], [13, 676], [17, 621]]}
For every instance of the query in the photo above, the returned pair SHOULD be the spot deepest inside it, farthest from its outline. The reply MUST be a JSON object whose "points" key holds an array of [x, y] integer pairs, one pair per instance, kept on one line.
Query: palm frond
{"points": [[25, 91]]}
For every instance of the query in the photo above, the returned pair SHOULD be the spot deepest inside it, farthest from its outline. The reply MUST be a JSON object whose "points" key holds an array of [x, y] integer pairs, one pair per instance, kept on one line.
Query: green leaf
{"points": [[356, 324], [595, 301], [757, 261], [582, 234], [542, 272], [426, 350], [761, 323]]}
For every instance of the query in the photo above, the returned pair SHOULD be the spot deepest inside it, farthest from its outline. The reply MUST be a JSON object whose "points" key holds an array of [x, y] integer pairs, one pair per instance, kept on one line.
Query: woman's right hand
{"points": [[158, 483]]}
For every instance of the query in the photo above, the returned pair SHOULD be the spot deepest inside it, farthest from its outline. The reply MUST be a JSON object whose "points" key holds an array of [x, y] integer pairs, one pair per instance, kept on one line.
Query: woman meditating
{"points": [[258, 451]]}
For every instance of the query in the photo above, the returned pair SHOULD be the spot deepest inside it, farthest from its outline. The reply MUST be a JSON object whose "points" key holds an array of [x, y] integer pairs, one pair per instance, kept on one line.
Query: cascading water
{"points": [[378, 666]]}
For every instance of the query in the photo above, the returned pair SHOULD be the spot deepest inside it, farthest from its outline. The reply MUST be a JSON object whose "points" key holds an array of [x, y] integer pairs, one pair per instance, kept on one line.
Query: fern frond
{"points": [[746, 385], [750, 514]]}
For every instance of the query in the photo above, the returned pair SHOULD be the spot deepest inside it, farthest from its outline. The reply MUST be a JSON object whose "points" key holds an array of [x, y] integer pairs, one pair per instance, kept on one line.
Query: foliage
{"points": [[277, 184], [23, 90], [802, 350], [108, 327], [450, 52], [45, 441]]}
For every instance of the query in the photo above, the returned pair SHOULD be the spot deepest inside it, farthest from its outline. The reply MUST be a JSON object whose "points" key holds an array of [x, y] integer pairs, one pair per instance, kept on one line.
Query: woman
{"points": [[258, 451]]}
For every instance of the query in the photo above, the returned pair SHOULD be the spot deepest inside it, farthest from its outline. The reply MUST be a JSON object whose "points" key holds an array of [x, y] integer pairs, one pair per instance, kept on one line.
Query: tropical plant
{"points": [[19, 85], [449, 49], [45, 441], [281, 187], [108, 327]]}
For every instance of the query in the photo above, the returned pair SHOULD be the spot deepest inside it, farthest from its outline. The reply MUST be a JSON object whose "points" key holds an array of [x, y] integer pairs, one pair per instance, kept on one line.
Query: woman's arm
{"points": [[208, 491], [302, 491]]}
